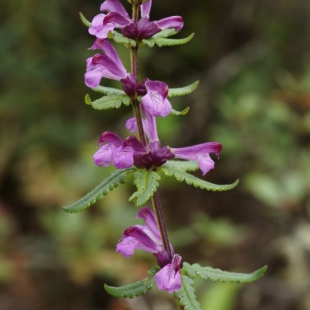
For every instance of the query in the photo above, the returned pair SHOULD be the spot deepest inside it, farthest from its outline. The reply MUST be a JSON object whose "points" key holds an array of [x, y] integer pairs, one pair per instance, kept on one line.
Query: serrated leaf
{"points": [[120, 39], [130, 290], [108, 90], [185, 111], [108, 102], [181, 175], [188, 271], [186, 295], [84, 20], [166, 42], [117, 177], [165, 33], [146, 182], [181, 91], [186, 165], [218, 275]]}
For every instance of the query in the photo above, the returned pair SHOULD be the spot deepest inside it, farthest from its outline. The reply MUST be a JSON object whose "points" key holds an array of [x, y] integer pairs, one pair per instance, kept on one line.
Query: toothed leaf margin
{"points": [[147, 183], [186, 295], [218, 275], [181, 175], [130, 290], [117, 177]]}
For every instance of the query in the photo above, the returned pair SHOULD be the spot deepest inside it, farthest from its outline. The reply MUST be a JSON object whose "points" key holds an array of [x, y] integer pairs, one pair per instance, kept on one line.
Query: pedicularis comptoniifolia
{"points": [[142, 155]]}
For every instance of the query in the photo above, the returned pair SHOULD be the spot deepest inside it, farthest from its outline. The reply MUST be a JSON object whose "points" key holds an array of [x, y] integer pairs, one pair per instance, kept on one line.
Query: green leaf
{"points": [[186, 295], [186, 165], [181, 175], [108, 90], [108, 102], [146, 182], [99, 191], [166, 42], [130, 290], [153, 271], [185, 111], [181, 91], [188, 271], [120, 39], [218, 275], [84, 20], [165, 33]]}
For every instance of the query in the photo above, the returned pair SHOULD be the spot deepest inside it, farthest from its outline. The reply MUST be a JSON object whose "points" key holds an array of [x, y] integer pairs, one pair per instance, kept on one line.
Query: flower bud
{"points": [[129, 85]]}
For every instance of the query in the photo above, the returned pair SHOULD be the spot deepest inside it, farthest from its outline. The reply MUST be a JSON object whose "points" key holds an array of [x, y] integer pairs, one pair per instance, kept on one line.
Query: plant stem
{"points": [[134, 71], [134, 62], [135, 11], [161, 223], [137, 112]]}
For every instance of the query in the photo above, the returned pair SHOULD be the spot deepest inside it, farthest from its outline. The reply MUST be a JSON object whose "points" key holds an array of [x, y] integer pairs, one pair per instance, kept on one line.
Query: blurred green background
{"points": [[253, 62]]}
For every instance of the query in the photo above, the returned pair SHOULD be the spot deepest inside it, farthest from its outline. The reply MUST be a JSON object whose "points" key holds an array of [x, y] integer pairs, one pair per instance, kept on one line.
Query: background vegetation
{"points": [[252, 60]]}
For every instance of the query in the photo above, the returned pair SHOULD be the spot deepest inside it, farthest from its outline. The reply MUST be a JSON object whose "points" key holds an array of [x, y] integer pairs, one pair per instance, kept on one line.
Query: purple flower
{"points": [[117, 17], [199, 152], [147, 238], [149, 126], [124, 153], [108, 66], [155, 100], [147, 157], [113, 151], [99, 27], [102, 23], [155, 155], [169, 277]]}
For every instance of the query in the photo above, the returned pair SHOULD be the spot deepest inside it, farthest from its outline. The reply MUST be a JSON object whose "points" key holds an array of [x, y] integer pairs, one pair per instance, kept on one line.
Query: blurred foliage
{"points": [[252, 59]]}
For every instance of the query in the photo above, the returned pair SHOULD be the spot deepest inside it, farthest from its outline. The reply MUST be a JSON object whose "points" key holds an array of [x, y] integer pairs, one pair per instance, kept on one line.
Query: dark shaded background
{"points": [[252, 60]]}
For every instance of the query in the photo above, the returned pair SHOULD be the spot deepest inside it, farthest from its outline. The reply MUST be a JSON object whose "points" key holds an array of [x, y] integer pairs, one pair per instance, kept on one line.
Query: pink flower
{"points": [[108, 65], [147, 238], [113, 151], [169, 277], [125, 153], [199, 152], [103, 23], [155, 100], [117, 17]]}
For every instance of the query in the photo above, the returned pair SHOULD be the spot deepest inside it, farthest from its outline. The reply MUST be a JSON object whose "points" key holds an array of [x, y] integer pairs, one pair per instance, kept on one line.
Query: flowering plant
{"points": [[142, 155]]}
